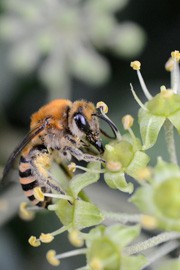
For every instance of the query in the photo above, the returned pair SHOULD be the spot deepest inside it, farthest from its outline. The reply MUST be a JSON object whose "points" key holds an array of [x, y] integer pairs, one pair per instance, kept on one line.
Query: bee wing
{"points": [[28, 137]]}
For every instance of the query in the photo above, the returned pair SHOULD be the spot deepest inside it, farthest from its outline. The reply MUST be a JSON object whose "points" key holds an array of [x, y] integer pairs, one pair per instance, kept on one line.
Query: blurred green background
{"points": [[76, 49]]}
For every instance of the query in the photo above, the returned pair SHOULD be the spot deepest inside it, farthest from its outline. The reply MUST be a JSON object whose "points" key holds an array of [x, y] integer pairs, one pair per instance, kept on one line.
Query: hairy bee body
{"points": [[61, 126]]}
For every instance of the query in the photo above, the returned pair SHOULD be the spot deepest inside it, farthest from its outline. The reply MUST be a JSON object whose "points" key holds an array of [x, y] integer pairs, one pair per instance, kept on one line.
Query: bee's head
{"points": [[83, 123]]}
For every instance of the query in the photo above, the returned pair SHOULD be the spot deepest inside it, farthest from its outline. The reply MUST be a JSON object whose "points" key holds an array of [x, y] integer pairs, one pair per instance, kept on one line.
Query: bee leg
{"points": [[78, 154], [53, 186]]}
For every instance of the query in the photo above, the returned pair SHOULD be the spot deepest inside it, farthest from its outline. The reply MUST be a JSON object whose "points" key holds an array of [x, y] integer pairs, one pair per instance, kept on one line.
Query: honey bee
{"points": [[70, 129]]}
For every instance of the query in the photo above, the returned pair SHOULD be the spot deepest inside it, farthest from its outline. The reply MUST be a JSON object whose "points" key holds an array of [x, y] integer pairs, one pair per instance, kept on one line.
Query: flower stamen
{"points": [[175, 73], [103, 106], [137, 98], [24, 212], [75, 238], [46, 237], [33, 241], [59, 196], [136, 66], [52, 258], [38, 194]]}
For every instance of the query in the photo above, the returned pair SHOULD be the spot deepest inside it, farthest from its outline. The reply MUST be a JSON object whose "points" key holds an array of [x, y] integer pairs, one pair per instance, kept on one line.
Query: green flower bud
{"points": [[105, 248], [119, 151], [165, 105], [105, 254], [161, 198], [123, 157]]}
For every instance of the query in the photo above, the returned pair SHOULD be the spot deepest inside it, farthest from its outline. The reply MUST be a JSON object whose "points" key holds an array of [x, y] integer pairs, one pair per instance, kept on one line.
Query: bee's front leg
{"points": [[79, 155]]}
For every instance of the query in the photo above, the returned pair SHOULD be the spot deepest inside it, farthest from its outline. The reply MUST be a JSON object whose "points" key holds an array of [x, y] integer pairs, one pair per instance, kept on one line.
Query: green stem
{"points": [[122, 218], [152, 242], [160, 252], [169, 136]]}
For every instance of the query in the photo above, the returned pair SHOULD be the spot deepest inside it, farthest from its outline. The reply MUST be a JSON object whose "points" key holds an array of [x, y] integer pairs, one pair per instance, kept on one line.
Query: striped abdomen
{"points": [[29, 181]]}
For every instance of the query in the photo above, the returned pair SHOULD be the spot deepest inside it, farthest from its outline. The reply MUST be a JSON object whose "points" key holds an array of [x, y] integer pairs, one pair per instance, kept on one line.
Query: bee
{"points": [[69, 129]]}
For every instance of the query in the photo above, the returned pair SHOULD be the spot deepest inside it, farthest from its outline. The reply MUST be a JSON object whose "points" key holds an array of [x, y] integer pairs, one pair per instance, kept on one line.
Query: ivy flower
{"points": [[105, 249], [59, 37], [124, 156], [160, 198], [163, 107]]}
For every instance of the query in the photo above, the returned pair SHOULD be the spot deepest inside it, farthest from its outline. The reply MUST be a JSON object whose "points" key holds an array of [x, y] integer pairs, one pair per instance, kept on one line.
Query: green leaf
{"points": [[82, 180], [150, 126], [116, 180], [139, 161]]}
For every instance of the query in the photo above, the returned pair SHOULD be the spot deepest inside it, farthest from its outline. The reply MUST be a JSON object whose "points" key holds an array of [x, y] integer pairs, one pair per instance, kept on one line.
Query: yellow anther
{"points": [[113, 166], [175, 55], [144, 173], [102, 105], [46, 237], [38, 194], [72, 167], [75, 238], [136, 65], [96, 264], [33, 241], [127, 121], [109, 148], [24, 213], [51, 258], [149, 222], [169, 64]]}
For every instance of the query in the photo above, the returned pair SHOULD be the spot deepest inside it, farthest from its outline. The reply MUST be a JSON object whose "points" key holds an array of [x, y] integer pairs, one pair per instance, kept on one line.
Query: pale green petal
{"points": [[82, 180], [175, 120], [150, 126], [117, 180]]}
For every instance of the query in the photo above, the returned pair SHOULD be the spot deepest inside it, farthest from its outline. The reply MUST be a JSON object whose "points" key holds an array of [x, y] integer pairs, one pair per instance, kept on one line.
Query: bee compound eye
{"points": [[81, 122]]}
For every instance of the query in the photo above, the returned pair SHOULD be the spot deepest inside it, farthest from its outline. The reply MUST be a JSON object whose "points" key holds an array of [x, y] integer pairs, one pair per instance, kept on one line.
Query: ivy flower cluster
{"points": [[60, 38], [156, 195]]}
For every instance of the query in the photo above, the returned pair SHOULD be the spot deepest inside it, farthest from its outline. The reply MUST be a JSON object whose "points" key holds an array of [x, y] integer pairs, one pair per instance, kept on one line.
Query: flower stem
{"points": [[160, 252], [169, 136], [123, 218], [152, 242]]}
